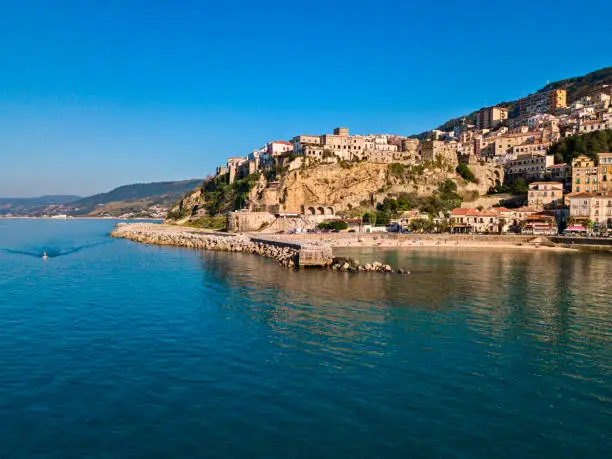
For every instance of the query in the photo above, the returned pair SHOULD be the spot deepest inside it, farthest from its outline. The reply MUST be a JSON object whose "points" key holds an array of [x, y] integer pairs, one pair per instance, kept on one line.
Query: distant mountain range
{"points": [[147, 200], [576, 87]]}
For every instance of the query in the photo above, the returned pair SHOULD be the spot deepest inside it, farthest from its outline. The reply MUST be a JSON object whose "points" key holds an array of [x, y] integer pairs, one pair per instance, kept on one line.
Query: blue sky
{"points": [[95, 95]]}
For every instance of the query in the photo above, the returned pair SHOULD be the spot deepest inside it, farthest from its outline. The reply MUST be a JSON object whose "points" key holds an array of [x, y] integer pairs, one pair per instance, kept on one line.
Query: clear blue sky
{"points": [[98, 94]]}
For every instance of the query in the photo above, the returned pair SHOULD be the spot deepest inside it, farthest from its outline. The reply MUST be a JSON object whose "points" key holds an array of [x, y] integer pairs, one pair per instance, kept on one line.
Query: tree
{"points": [[370, 217], [421, 225], [337, 225], [588, 144]]}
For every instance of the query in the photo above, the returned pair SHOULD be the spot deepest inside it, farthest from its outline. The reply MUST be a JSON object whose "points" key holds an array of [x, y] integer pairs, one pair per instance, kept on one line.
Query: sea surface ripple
{"points": [[112, 349]]}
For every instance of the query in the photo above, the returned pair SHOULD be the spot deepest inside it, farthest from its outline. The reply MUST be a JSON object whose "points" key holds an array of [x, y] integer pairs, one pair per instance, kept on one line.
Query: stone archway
{"points": [[311, 211], [329, 211], [320, 211]]}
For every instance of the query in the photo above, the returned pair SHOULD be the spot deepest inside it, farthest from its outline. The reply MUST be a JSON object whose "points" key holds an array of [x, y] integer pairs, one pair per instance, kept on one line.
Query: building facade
{"points": [[593, 207], [528, 166], [584, 175], [491, 117], [545, 194]]}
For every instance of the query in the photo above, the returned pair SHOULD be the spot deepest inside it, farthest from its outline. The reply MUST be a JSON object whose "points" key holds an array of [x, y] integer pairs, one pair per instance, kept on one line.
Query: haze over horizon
{"points": [[91, 99]]}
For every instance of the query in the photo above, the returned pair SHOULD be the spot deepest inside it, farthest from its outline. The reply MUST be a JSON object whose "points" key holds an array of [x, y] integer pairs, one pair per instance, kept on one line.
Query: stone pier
{"points": [[308, 254]]}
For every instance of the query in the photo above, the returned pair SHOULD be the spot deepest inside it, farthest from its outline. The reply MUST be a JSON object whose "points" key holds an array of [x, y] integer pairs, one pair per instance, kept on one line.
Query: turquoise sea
{"points": [[111, 349]]}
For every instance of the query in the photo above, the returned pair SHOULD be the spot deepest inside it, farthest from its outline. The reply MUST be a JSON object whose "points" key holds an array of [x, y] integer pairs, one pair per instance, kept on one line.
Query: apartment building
{"points": [[604, 172], [502, 145], [594, 207], [545, 194], [537, 147], [543, 102], [528, 166], [301, 143], [491, 117], [584, 175], [594, 125]]}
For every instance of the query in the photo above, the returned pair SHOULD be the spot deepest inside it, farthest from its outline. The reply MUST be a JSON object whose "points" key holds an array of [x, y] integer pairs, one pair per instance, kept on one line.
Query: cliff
{"points": [[343, 188]]}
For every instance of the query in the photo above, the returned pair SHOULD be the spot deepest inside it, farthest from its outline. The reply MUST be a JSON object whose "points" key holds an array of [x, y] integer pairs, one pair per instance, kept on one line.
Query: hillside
{"points": [[136, 198], [27, 206], [576, 87]]}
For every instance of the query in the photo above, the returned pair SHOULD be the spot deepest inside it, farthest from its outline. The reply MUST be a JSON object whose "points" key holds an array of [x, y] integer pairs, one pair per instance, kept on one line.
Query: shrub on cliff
{"points": [[464, 171], [397, 169]]}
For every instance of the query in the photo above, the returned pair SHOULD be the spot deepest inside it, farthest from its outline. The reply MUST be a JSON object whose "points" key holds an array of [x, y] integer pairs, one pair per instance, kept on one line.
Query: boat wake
{"points": [[53, 252]]}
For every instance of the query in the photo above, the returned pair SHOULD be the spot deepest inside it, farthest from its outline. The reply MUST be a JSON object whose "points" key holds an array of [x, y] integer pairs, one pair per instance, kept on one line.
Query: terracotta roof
{"points": [[559, 165], [284, 142], [525, 209], [462, 211], [546, 183], [582, 195], [473, 212]]}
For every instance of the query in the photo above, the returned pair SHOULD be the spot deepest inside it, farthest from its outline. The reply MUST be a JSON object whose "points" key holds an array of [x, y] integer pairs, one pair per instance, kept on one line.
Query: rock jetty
{"points": [[287, 254], [149, 233], [350, 265]]}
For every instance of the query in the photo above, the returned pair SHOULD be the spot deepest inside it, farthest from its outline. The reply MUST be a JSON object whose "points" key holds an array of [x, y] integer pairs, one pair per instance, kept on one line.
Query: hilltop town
{"points": [[539, 168]]}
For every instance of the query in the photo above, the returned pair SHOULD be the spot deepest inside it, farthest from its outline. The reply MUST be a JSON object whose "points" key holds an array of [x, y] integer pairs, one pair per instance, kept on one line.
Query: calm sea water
{"points": [[112, 349]]}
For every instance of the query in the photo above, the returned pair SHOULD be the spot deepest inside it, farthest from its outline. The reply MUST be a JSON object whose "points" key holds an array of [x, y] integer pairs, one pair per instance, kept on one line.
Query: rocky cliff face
{"points": [[362, 184], [342, 187]]}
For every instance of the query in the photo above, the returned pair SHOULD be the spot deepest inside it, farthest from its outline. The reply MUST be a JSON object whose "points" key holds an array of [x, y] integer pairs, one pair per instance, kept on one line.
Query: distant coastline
{"points": [[80, 218]]}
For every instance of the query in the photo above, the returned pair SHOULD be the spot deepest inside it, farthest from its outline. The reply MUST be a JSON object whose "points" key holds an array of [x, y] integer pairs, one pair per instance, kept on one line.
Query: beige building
{"points": [[584, 175], [545, 194], [528, 166], [502, 145], [543, 102], [410, 145], [536, 147], [491, 117], [596, 208], [431, 150], [474, 221], [342, 145], [604, 172], [301, 143], [594, 125]]}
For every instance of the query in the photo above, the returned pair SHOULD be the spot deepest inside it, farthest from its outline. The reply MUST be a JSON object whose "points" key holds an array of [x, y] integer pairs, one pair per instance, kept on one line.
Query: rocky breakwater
{"points": [[149, 233], [284, 252]]}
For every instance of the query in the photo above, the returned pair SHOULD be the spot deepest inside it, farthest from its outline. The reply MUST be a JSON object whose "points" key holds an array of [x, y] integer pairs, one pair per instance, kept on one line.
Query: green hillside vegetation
{"points": [[219, 196], [464, 171], [444, 200], [588, 144], [137, 196], [578, 86]]}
